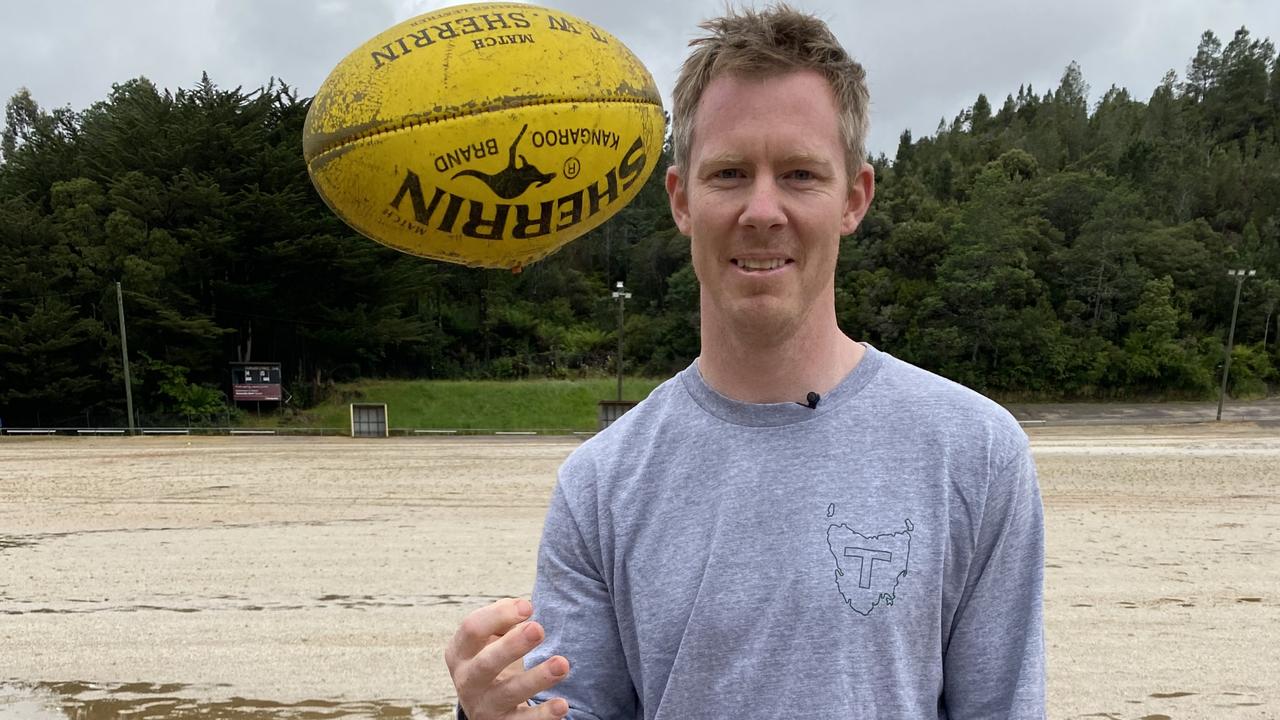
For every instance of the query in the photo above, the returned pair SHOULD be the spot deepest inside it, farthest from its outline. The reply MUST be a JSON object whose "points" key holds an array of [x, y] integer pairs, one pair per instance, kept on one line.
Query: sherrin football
{"points": [[488, 135]]}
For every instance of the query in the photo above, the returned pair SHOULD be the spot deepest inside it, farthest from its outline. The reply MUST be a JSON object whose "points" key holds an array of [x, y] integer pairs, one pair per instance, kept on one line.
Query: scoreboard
{"points": [[255, 381]]}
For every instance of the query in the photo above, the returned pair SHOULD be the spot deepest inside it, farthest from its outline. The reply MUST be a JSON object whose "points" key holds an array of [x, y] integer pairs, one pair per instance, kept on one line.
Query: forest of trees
{"points": [[1031, 248]]}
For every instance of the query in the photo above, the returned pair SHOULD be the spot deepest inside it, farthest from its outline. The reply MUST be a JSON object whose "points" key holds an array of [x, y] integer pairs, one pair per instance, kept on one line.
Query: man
{"points": [[797, 525]]}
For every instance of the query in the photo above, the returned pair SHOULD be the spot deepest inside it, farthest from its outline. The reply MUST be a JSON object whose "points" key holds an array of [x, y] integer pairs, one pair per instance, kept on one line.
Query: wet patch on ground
{"points": [[147, 701], [223, 603], [1223, 700], [10, 542], [212, 525]]}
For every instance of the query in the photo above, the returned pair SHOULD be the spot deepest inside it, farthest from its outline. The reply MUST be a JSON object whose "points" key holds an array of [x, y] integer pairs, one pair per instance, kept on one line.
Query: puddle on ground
{"points": [[9, 541], [146, 701], [227, 602]]}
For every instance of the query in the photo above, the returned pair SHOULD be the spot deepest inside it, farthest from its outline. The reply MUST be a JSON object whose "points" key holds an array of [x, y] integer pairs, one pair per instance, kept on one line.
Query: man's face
{"points": [[765, 199]]}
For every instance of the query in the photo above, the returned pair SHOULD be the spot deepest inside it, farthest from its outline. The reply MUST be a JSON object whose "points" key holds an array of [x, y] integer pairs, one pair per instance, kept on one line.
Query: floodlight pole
{"points": [[1239, 275], [621, 296], [124, 353]]}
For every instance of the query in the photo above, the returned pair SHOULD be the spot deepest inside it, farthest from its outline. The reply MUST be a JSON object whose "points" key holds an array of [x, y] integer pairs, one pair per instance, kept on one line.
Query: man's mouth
{"points": [[760, 264]]}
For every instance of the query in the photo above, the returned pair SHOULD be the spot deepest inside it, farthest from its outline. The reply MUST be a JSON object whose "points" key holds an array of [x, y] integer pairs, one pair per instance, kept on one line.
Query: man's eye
{"points": [[728, 174], [801, 175]]}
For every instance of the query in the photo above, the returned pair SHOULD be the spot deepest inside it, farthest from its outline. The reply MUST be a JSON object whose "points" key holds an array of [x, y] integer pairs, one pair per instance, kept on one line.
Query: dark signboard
{"points": [[255, 381]]}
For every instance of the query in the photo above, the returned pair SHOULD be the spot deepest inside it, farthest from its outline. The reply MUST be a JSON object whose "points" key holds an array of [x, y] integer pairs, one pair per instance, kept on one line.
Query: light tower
{"points": [[1239, 275], [621, 295]]}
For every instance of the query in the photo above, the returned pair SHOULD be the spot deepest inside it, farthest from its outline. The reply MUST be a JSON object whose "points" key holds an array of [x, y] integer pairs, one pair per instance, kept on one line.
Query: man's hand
{"points": [[485, 659]]}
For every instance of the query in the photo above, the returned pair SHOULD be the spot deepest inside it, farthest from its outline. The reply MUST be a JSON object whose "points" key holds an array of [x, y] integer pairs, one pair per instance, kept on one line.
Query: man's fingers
{"points": [[519, 687], [481, 626], [548, 710], [488, 665], [485, 659]]}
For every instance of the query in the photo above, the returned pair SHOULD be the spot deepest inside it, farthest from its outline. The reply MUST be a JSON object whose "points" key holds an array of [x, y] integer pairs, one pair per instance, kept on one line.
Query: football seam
{"points": [[410, 124]]}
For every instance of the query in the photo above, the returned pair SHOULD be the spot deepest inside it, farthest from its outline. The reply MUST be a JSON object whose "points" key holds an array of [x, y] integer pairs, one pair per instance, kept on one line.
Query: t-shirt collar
{"points": [[785, 413]]}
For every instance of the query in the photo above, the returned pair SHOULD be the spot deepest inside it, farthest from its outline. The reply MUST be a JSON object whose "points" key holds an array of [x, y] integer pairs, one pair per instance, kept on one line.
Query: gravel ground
{"points": [[259, 577]]}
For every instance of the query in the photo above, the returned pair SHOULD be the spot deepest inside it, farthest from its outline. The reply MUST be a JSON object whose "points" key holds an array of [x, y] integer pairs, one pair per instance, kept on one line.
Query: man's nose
{"points": [[764, 205]]}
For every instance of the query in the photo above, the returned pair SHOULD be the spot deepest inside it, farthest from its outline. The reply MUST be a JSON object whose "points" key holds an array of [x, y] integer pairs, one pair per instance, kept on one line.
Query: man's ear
{"points": [[862, 188], [678, 196]]}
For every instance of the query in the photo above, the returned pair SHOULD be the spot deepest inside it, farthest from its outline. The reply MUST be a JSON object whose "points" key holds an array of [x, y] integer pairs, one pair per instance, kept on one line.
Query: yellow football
{"points": [[488, 135]]}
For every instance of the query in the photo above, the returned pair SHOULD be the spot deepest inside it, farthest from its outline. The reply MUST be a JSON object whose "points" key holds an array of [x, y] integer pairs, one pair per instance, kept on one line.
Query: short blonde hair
{"points": [[777, 40]]}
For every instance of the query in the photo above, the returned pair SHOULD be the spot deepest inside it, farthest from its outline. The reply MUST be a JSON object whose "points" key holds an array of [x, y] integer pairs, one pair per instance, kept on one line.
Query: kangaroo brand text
{"points": [[434, 208]]}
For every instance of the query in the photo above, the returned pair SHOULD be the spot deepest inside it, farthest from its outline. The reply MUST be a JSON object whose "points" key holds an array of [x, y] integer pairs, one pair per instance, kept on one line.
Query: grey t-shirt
{"points": [[879, 556]]}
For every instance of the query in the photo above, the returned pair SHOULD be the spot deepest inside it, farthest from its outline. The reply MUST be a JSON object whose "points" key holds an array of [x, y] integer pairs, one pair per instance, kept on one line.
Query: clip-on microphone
{"points": [[811, 400]]}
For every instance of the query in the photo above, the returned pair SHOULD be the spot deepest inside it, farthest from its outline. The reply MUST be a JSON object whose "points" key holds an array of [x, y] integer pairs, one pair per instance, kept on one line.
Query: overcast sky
{"points": [[925, 59]]}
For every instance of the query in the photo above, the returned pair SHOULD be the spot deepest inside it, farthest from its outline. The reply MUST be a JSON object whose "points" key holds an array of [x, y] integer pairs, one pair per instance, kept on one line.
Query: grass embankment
{"points": [[546, 405]]}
